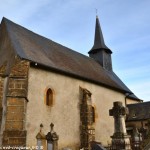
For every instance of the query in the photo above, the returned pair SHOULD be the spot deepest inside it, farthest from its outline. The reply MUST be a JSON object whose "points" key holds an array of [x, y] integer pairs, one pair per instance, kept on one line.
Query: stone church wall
{"points": [[65, 111]]}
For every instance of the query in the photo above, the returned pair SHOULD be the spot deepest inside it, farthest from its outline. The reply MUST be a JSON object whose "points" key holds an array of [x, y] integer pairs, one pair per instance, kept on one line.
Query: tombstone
{"points": [[120, 139], [52, 139], [142, 130], [136, 135], [41, 139]]}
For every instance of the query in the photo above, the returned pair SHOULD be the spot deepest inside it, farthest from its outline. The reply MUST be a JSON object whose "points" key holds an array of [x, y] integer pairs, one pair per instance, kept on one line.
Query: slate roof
{"points": [[49, 54], [138, 111]]}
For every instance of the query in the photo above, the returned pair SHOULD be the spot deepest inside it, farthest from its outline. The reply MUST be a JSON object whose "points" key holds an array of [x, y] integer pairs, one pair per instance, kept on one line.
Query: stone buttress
{"points": [[13, 100]]}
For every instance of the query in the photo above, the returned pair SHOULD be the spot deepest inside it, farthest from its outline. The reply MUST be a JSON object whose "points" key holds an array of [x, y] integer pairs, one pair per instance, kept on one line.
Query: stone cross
{"points": [[120, 137], [119, 112]]}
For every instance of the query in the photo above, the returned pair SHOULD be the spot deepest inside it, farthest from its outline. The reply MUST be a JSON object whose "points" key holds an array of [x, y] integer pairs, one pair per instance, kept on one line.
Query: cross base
{"points": [[121, 142]]}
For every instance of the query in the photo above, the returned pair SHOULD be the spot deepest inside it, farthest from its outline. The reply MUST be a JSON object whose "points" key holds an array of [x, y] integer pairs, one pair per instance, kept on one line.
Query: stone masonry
{"points": [[14, 133], [2, 77], [87, 120]]}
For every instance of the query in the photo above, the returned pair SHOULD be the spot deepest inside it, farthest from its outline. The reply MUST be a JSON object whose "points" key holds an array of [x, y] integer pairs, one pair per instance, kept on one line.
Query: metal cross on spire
{"points": [[96, 10]]}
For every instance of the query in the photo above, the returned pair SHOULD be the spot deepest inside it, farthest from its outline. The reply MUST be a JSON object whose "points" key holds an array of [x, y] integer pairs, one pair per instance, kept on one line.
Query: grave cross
{"points": [[120, 134], [118, 110]]}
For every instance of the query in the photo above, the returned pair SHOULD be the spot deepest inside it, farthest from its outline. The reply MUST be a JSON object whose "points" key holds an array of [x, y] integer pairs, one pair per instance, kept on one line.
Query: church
{"points": [[45, 85]]}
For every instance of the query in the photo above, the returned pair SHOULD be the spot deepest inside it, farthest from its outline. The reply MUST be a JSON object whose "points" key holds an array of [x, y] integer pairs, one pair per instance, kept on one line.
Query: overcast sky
{"points": [[125, 25]]}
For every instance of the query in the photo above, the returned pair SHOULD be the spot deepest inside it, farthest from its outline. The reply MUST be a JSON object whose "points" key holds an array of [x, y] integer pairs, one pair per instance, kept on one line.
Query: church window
{"points": [[49, 97]]}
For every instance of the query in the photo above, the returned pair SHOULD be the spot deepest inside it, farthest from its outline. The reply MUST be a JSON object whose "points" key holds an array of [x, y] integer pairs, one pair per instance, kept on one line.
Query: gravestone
{"points": [[120, 139], [52, 139], [41, 139]]}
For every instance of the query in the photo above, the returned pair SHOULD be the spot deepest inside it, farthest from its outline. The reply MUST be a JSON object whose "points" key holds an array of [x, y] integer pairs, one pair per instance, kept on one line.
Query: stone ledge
{"points": [[17, 92]]}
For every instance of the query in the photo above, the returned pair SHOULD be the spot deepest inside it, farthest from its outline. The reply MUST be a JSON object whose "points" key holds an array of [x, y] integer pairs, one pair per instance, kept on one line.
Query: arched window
{"points": [[49, 97]]}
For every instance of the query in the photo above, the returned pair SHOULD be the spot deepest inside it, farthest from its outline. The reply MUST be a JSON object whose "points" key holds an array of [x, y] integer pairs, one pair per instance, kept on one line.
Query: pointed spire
{"points": [[99, 40], [100, 52]]}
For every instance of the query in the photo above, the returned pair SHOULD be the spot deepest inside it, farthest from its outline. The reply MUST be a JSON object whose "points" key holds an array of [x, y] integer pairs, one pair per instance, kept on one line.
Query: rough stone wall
{"points": [[16, 99], [87, 119]]}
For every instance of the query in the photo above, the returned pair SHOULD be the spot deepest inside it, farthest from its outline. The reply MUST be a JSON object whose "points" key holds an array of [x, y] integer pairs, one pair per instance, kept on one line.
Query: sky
{"points": [[125, 25]]}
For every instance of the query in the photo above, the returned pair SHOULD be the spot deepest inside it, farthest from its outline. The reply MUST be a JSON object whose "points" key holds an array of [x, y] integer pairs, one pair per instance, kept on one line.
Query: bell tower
{"points": [[100, 52]]}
